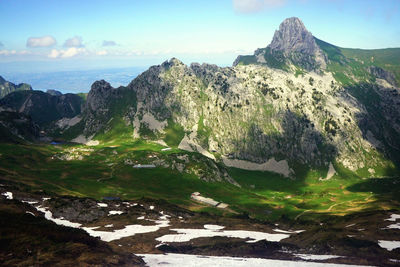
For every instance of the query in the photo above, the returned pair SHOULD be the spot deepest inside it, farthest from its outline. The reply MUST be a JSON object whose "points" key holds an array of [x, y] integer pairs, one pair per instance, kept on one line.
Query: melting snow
{"points": [[172, 259], [288, 232], [128, 230], [8, 195], [393, 226], [213, 227], [109, 225], [115, 212], [102, 205], [152, 207], [29, 202], [185, 235], [49, 216], [393, 217], [31, 213], [141, 218], [316, 257], [389, 245], [46, 198]]}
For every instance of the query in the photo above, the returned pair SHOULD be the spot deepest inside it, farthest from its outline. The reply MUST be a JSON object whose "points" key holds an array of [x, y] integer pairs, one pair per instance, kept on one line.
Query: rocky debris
{"points": [[75, 153], [8, 87]]}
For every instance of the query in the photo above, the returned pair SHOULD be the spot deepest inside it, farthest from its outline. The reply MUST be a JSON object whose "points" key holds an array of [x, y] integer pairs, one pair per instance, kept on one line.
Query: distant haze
{"points": [[75, 81]]}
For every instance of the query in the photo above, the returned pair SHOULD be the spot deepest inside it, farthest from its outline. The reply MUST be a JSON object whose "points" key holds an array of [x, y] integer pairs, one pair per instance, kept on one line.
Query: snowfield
{"points": [[207, 261], [128, 230], [185, 235]]}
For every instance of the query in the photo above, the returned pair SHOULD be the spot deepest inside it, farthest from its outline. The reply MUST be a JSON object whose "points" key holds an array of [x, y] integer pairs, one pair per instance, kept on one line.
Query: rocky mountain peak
{"points": [[172, 62], [99, 94], [293, 36]]}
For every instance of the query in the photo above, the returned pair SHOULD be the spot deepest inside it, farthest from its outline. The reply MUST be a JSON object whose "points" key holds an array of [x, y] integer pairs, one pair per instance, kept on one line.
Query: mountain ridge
{"points": [[288, 114]]}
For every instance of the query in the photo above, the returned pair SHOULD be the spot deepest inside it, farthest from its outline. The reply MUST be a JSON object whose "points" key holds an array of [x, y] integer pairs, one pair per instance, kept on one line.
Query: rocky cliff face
{"points": [[8, 87], [43, 108], [292, 44], [252, 117]]}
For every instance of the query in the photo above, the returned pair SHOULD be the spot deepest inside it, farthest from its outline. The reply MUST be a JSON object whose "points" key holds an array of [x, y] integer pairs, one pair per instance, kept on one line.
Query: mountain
{"points": [[298, 103], [256, 116], [8, 87], [43, 108], [292, 44]]}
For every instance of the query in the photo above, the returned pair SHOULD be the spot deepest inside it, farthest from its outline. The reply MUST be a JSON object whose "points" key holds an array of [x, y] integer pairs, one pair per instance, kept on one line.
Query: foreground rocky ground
{"points": [[41, 229]]}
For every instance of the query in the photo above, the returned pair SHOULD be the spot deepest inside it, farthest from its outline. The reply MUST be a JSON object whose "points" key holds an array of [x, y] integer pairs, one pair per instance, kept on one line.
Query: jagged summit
{"points": [[293, 36], [292, 44]]}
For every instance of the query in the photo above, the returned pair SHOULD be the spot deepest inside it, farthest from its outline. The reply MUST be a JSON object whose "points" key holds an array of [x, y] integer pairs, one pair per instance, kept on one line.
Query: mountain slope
{"points": [[8, 87], [42, 107]]}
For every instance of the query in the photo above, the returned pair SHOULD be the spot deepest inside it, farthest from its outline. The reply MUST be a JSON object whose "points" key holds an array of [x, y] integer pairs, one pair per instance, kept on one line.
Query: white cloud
{"points": [[44, 41], [6, 52], [70, 52], [102, 53], [252, 6], [109, 43], [54, 53], [74, 42]]}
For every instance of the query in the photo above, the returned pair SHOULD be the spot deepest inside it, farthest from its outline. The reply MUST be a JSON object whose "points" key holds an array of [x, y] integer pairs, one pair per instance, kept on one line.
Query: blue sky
{"points": [[52, 35]]}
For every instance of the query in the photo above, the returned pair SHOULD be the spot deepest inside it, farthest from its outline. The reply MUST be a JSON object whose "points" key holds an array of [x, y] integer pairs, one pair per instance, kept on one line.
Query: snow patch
{"points": [[213, 227], [393, 226], [185, 235], [288, 232], [172, 259], [29, 202], [8, 195], [316, 257], [49, 216], [102, 205], [389, 245], [128, 230], [393, 217], [115, 212]]}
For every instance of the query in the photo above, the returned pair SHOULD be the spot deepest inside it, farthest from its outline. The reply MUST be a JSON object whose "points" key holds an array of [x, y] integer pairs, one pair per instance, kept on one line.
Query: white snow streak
{"points": [[8, 195], [206, 261]]}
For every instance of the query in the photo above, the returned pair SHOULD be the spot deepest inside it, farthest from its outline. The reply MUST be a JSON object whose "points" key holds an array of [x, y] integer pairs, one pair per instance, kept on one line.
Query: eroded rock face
{"points": [[297, 45], [253, 113], [293, 36], [292, 44]]}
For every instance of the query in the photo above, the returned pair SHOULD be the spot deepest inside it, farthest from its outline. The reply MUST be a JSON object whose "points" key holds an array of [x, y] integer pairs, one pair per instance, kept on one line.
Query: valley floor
{"points": [[94, 203]]}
